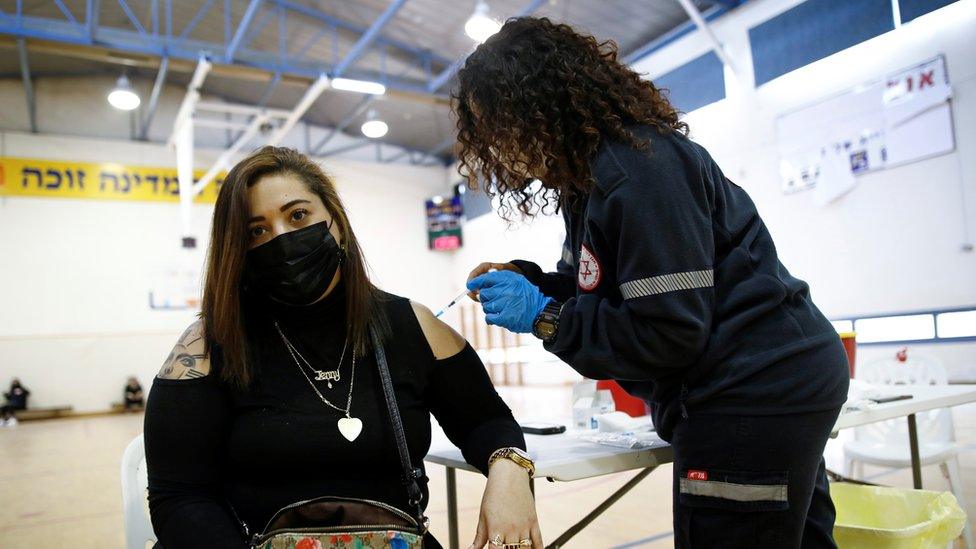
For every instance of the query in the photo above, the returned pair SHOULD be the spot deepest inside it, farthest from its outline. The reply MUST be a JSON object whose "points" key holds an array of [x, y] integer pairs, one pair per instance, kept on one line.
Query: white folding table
{"points": [[924, 398], [566, 458]]}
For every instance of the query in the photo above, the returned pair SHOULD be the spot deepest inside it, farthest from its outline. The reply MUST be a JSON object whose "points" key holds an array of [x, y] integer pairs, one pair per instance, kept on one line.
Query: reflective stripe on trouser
{"points": [[733, 491]]}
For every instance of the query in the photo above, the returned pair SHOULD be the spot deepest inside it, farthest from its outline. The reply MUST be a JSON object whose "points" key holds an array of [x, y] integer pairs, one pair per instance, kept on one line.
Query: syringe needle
{"points": [[452, 303]]}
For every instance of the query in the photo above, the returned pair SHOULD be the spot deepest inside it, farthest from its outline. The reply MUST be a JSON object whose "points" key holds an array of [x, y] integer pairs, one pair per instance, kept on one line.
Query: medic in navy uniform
{"points": [[669, 282]]}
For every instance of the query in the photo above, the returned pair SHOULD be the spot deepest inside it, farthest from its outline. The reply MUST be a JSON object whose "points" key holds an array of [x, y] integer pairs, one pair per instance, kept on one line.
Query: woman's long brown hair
{"points": [[539, 96], [222, 309]]}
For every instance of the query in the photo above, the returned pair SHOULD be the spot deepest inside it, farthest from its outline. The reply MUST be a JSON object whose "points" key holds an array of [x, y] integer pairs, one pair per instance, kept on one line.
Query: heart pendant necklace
{"points": [[349, 427]]}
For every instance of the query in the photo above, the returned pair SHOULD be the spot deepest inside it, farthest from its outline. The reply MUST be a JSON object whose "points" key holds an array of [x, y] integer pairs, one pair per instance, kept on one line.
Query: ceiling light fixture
{"points": [[373, 127], [480, 26], [122, 97]]}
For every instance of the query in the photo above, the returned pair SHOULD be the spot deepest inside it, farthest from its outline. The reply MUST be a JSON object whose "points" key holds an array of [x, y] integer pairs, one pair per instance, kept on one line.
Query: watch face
{"points": [[546, 330]]}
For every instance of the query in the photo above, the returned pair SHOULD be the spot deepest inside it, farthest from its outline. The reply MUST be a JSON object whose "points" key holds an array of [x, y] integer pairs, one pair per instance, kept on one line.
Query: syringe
{"points": [[452, 303]]}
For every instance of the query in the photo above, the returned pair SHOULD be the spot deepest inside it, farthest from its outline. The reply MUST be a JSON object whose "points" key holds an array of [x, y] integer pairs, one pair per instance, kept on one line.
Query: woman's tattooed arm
{"points": [[188, 359]]}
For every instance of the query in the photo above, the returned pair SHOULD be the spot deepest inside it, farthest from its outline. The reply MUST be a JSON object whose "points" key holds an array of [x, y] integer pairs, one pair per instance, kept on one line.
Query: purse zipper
{"points": [[390, 508]]}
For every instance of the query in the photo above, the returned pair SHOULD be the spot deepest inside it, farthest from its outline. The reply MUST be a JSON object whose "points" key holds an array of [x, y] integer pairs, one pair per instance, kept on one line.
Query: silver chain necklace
{"points": [[349, 427], [320, 375]]}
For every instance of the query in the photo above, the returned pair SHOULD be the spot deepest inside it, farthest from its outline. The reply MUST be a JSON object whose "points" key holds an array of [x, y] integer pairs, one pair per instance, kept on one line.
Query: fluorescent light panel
{"points": [[359, 86]]}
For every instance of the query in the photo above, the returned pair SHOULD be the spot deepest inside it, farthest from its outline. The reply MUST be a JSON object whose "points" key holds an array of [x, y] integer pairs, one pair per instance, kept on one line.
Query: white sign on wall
{"points": [[902, 118]]}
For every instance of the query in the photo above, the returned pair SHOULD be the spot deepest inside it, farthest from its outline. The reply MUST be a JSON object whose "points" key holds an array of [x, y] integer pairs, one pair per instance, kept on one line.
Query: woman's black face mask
{"points": [[296, 267]]}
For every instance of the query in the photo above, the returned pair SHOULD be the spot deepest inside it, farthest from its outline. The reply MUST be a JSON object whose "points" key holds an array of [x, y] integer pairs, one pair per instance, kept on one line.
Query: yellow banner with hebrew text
{"points": [[100, 181]]}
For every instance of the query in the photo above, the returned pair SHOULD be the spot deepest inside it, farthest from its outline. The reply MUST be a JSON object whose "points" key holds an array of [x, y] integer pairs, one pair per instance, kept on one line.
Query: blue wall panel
{"points": [[910, 9], [813, 30], [695, 84]]}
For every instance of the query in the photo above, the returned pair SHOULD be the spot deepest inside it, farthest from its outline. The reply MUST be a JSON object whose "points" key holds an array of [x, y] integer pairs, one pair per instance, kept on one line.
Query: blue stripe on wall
{"points": [[695, 84], [813, 30], [910, 9]]}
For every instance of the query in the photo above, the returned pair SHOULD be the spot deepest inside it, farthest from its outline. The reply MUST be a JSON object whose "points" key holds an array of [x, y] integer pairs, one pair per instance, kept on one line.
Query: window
{"points": [[843, 326], [956, 324], [895, 328]]}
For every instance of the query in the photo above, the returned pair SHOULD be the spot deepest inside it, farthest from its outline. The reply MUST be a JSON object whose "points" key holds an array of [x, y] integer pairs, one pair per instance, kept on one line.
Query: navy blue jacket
{"points": [[672, 286]]}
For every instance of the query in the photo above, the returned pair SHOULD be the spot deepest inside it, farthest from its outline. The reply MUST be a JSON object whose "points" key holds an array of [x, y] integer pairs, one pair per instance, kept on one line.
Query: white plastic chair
{"points": [[885, 444], [138, 528]]}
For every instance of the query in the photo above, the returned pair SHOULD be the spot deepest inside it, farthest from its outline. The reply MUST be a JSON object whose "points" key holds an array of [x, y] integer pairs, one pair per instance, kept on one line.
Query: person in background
{"points": [[16, 400], [133, 395]]}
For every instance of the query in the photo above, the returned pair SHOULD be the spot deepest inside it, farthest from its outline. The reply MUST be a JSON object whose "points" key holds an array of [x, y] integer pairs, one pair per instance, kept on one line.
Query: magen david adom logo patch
{"points": [[589, 273]]}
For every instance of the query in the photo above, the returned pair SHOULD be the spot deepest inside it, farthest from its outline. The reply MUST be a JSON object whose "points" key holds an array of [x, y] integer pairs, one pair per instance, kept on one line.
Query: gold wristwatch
{"points": [[517, 455]]}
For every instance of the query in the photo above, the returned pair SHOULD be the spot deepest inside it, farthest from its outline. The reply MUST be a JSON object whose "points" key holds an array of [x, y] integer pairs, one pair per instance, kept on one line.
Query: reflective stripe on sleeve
{"points": [[667, 283]]}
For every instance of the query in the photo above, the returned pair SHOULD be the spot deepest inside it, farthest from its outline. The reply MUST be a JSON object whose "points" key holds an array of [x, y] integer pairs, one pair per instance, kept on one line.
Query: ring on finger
{"points": [[497, 541]]}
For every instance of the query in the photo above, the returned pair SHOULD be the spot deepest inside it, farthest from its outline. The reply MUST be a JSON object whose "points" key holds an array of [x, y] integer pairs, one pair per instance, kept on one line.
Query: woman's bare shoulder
{"points": [[443, 340]]}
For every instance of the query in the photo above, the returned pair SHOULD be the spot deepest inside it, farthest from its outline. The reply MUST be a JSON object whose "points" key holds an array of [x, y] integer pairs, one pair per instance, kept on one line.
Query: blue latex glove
{"points": [[509, 300]]}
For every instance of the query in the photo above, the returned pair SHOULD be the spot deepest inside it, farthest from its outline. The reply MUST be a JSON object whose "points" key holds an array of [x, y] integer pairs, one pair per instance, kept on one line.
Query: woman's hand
{"points": [[487, 267], [507, 508]]}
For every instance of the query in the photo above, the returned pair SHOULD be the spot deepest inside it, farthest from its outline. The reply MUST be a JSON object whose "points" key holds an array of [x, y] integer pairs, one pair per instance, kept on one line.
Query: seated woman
{"points": [[273, 396]]}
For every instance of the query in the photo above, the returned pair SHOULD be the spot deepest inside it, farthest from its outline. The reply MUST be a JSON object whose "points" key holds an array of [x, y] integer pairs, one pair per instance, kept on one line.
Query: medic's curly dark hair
{"points": [[540, 97]]}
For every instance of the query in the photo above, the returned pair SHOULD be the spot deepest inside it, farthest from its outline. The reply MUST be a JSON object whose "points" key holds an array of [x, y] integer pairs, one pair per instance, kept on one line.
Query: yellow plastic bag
{"points": [[894, 518]]}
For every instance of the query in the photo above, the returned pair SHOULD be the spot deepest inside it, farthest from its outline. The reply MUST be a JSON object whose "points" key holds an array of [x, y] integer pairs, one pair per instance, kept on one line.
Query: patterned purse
{"points": [[348, 523]]}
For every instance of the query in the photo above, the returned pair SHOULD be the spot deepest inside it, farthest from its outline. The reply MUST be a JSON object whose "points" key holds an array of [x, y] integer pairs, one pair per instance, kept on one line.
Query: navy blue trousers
{"points": [[752, 481]]}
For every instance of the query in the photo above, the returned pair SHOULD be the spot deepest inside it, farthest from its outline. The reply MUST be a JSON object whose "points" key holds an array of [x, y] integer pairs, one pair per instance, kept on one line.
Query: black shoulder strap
{"points": [[410, 474]]}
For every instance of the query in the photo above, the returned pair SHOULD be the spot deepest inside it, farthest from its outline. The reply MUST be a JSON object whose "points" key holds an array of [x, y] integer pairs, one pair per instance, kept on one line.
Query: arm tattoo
{"points": [[187, 360], [191, 372], [192, 334]]}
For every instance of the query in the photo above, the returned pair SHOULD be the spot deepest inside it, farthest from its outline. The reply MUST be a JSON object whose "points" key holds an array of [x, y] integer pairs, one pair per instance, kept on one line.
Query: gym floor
{"points": [[60, 484]]}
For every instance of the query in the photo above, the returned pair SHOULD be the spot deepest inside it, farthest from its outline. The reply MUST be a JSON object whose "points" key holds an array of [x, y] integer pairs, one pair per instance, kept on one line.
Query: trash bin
{"points": [[849, 339], [894, 518]]}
